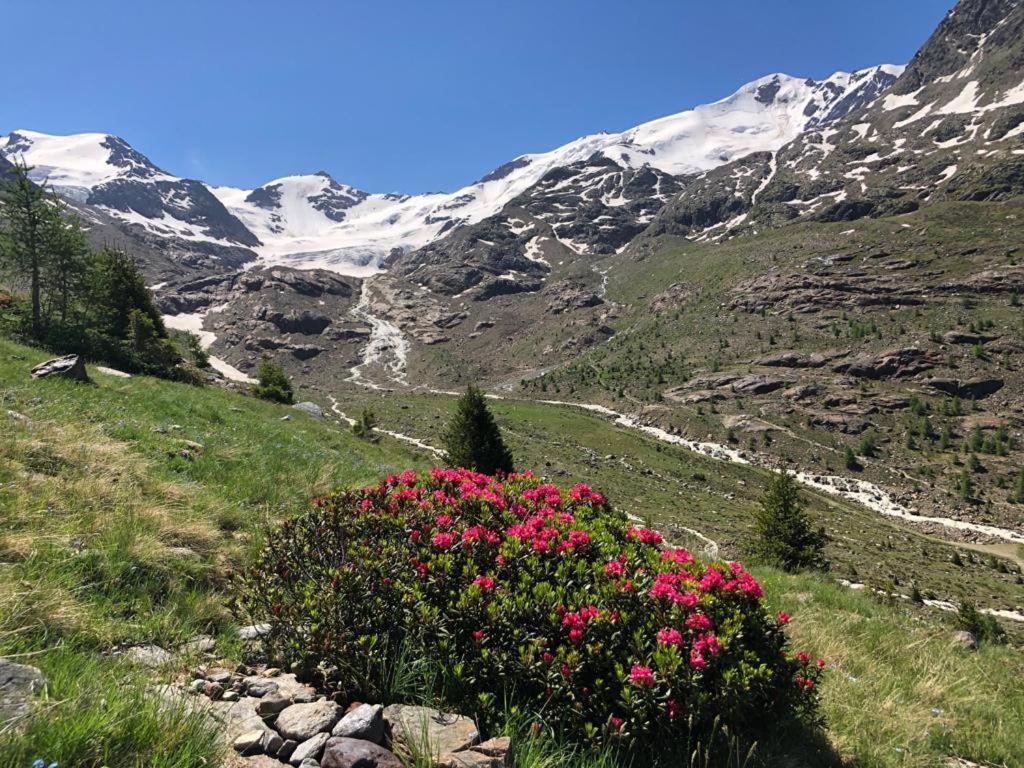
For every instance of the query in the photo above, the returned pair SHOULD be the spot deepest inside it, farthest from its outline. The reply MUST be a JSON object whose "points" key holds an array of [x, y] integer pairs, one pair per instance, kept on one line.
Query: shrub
{"points": [[784, 536], [545, 600], [473, 439], [272, 382]]}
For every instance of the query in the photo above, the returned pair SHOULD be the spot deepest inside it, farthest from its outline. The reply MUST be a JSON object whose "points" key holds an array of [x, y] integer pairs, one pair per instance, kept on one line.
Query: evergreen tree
{"points": [[26, 216], [272, 382], [364, 426], [473, 439], [784, 536]]}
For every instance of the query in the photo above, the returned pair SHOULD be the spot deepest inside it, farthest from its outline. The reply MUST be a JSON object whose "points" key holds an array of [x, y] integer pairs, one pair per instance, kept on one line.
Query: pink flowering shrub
{"points": [[528, 594]]}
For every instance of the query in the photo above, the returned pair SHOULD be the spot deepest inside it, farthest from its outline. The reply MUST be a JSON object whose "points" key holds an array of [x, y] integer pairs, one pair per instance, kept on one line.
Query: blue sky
{"points": [[408, 95]]}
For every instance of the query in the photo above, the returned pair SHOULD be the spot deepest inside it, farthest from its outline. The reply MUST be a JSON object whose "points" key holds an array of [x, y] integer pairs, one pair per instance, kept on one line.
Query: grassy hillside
{"points": [[124, 504]]}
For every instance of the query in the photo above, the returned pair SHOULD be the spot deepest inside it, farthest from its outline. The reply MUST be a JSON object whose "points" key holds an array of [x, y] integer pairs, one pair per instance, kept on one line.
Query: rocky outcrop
{"points": [[890, 364], [976, 388]]}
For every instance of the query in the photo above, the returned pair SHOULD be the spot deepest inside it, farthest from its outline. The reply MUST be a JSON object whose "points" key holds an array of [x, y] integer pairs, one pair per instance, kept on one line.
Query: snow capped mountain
{"points": [[314, 221], [105, 173]]}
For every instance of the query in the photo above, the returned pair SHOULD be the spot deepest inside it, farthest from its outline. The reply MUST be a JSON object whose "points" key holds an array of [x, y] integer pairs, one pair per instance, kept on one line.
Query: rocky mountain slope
{"points": [[315, 221]]}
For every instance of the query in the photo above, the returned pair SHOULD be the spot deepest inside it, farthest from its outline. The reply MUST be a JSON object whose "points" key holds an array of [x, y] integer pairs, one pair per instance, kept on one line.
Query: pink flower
{"points": [[486, 583], [698, 621], [478, 635], [697, 661], [803, 657], [677, 556], [579, 538], [670, 636], [643, 535], [547, 658], [673, 709], [616, 724], [641, 676], [443, 521], [712, 580], [575, 635], [614, 568], [782, 618], [443, 540]]}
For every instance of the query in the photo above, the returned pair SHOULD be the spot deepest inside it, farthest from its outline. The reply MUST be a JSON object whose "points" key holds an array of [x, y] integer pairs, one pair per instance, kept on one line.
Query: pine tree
{"points": [[784, 536], [26, 214], [473, 439], [272, 382]]}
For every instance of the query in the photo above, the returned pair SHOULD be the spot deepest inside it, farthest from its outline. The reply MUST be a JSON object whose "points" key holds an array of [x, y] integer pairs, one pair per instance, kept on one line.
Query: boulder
{"points": [[18, 683], [312, 409], [304, 721], [310, 749], [442, 731], [67, 367], [342, 752], [365, 722]]}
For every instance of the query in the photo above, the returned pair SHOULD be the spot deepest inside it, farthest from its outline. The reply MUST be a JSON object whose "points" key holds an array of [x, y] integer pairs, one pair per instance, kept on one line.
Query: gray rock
{"points": [[260, 686], [287, 748], [197, 686], [249, 743], [272, 704], [442, 731], [213, 690], [254, 631], [309, 749], [365, 722], [309, 763], [147, 655], [966, 640], [271, 743], [304, 721], [342, 752], [218, 675], [312, 409], [68, 367], [230, 696], [18, 683]]}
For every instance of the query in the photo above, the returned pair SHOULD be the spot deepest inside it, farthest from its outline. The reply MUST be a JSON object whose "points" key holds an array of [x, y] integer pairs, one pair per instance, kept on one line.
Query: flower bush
{"points": [[525, 594]]}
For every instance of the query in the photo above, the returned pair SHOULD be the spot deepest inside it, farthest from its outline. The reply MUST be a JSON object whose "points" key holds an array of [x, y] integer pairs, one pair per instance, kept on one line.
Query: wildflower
{"points": [[616, 723], [697, 660], [443, 540], [782, 618], [698, 621], [486, 583], [803, 657], [641, 676], [478, 635], [670, 636], [643, 535], [614, 568], [673, 709]]}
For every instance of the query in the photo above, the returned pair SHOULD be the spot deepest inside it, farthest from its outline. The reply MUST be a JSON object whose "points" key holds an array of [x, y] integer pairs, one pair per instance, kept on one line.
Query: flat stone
{"points": [[497, 747], [213, 690], [147, 655], [443, 732], [18, 683], [365, 722], [218, 675], [260, 686], [248, 743], [304, 721], [272, 704], [309, 749], [342, 752]]}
